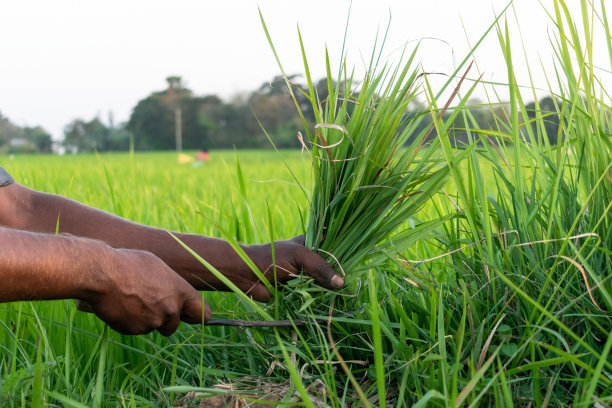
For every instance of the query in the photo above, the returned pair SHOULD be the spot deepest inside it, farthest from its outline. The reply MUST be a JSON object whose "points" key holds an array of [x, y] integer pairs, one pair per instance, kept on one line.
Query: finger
{"points": [[260, 293], [83, 306], [319, 269], [128, 327], [131, 330], [195, 310], [170, 326]]}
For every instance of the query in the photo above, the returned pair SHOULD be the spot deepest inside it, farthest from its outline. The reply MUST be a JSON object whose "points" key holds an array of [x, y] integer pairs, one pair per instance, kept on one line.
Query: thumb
{"points": [[319, 269], [195, 310]]}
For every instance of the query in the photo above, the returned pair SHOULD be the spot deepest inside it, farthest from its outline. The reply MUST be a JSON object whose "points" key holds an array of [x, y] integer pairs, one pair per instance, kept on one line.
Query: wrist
{"points": [[93, 272], [217, 252]]}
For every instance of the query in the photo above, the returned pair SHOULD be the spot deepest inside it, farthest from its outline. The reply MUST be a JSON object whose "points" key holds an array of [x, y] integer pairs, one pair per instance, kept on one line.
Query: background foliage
{"points": [[209, 122]]}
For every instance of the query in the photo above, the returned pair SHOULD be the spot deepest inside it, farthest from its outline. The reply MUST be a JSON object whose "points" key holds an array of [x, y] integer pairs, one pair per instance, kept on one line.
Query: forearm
{"points": [[25, 209], [47, 212], [42, 267]]}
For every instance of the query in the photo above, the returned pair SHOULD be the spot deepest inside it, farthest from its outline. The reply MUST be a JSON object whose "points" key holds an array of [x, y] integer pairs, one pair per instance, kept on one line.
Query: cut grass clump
{"points": [[512, 306], [373, 167]]}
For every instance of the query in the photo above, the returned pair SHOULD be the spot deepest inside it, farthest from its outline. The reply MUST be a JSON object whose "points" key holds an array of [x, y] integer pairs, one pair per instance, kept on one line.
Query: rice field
{"points": [[506, 302], [479, 316]]}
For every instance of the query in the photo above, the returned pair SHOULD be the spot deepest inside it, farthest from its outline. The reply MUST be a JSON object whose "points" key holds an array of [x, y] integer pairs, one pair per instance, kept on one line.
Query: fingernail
{"points": [[337, 281]]}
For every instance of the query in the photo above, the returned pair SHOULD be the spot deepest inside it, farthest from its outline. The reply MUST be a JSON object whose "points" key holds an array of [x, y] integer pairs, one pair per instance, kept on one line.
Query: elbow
{"points": [[16, 206]]}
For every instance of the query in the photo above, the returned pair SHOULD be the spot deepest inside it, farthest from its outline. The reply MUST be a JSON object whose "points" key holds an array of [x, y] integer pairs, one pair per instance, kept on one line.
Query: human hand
{"points": [[291, 258], [139, 293]]}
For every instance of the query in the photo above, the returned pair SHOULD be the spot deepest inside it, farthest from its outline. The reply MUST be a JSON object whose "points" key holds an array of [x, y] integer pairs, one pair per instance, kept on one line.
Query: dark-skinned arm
{"points": [[134, 292], [26, 209]]}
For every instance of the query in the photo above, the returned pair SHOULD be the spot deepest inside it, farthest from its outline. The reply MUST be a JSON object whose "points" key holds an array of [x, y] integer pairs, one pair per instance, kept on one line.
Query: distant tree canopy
{"points": [[551, 120], [208, 122], [15, 139], [94, 135]]}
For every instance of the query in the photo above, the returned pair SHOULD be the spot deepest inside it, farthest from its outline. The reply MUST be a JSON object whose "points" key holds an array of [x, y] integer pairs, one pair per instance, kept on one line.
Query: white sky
{"points": [[64, 59]]}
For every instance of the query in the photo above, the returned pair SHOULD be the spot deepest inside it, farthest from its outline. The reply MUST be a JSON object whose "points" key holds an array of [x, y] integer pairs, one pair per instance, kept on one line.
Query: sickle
{"points": [[280, 323]]}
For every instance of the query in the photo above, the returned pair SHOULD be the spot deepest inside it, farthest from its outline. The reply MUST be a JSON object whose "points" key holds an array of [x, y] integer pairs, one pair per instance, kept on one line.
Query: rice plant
{"points": [[373, 166], [498, 292]]}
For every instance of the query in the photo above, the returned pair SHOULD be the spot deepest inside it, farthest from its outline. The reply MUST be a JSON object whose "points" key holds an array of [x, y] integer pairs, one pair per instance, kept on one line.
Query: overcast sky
{"points": [[64, 59]]}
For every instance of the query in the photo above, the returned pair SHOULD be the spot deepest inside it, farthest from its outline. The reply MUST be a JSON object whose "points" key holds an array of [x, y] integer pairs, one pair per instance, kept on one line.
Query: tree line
{"points": [[209, 122], [27, 139]]}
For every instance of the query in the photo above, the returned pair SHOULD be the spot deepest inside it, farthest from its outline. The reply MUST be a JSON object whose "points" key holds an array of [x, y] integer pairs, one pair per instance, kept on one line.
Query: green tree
{"points": [[76, 136], [274, 109], [153, 119], [212, 118], [7, 132], [87, 136], [14, 139], [550, 117], [39, 138], [152, 124]]}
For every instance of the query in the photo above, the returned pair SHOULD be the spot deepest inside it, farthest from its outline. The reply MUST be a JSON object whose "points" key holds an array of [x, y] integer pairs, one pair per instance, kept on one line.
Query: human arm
{"points": [[26, 209], [132, 291]]}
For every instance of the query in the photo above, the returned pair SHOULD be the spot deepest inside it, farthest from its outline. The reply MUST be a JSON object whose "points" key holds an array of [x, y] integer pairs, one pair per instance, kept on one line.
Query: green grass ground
{"points": [[454, 324], [506, 304], [152, 189]]}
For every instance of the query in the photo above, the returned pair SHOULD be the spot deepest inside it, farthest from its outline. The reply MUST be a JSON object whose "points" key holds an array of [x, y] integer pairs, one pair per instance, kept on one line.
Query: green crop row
{"points": [[506, 303]]}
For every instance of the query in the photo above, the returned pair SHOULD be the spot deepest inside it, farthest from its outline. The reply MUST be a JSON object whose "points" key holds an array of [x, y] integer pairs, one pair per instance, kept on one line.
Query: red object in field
{"points": [[202, 156]]}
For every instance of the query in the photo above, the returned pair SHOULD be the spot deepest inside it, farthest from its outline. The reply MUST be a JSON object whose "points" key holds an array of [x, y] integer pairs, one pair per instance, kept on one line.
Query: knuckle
{"points": [[171, 312], [169, 328], [263, 294], [300, 240], [207, 314], [155, 322], [312, 263], [301, 255]]}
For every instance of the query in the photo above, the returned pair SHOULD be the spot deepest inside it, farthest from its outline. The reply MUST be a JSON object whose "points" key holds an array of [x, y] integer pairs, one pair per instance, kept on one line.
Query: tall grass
{"points": [[507, 304], [529, 256]]}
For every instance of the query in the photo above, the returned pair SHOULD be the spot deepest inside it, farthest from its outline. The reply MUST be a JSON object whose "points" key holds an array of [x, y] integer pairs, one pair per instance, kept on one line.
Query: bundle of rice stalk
{"points": [[373, 166]]}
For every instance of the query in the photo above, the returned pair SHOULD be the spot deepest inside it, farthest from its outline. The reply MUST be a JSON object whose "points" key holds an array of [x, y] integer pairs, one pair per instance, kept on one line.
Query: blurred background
{"points": [[82, 76]]}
